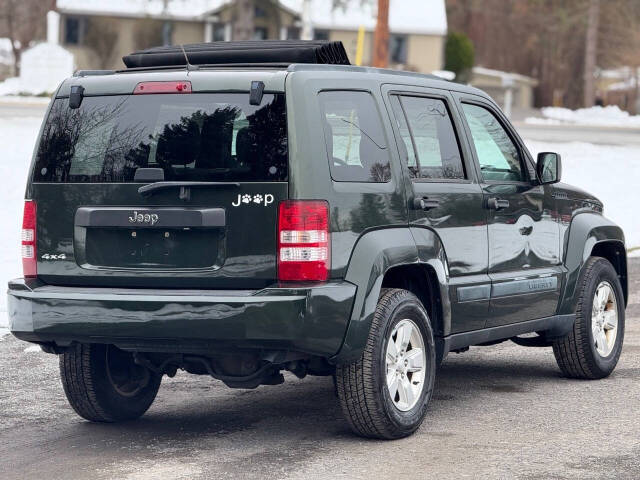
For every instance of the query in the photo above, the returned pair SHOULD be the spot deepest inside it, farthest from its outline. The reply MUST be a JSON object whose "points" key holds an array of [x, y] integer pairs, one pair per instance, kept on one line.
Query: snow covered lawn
{"points": [[611, 173], [609, 116], [17, 138]]}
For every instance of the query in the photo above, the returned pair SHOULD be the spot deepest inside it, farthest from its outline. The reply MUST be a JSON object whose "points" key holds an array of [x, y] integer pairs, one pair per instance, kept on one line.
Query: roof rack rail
{"points": [[205, 66], [92, 73], [268, 53]]}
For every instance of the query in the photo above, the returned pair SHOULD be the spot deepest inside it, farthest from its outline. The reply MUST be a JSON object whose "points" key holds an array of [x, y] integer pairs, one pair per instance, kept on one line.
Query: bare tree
{"points": [[147, 33], [550, 39], [23, 21], [102, 35], [591, 52]]}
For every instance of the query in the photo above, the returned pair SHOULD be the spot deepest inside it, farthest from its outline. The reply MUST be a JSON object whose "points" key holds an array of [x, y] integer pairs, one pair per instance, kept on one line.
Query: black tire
{"points": [[364, 397], [576, 353], [91, 375]]}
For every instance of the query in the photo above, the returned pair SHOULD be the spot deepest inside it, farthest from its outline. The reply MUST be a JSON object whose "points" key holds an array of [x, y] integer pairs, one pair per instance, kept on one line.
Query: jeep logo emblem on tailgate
{"points": [[257, 199], [150, 218]]}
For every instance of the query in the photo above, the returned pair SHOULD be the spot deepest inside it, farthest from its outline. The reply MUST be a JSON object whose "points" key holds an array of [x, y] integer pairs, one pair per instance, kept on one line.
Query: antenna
{"points": [[188, 66]]}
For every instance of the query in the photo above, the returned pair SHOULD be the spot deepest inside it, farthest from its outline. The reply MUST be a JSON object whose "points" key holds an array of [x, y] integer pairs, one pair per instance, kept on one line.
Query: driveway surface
{"points": [[500, 412], [625, 137]]}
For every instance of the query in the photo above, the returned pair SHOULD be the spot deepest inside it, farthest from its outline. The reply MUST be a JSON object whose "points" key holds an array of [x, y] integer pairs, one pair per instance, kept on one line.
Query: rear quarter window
{"points": [[354, 136], [197, 137]]}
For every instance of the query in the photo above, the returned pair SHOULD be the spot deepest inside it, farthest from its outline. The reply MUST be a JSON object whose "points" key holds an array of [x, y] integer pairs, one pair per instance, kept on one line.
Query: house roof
{"points": [[179, 9], [505, 77], [405, 16]]}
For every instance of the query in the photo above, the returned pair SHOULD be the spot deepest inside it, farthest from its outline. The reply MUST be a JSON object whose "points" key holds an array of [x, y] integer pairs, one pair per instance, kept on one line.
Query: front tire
{"points": [[103, 384], [592, 349], [385, 393]]}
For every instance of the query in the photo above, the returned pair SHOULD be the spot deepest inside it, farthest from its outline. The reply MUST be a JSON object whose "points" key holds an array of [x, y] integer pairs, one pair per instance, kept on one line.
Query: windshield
{"points": [[196, 137]]}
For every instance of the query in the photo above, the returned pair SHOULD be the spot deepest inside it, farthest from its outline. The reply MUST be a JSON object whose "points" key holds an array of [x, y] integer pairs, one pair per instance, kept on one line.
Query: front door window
{"points": [[498, 156]]}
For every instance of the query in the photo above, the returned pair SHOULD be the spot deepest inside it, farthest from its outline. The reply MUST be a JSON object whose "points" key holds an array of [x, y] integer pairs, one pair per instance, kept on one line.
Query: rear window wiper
{"points": [[149, 189]]}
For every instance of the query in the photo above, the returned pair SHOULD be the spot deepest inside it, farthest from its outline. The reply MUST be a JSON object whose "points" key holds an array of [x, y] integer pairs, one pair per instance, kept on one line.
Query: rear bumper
{"points": [[306, 319]]}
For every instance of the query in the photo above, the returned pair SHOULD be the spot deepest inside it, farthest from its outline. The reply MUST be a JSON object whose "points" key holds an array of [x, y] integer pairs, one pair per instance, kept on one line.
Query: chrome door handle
{"points": [[425, 203], [495, 203]]}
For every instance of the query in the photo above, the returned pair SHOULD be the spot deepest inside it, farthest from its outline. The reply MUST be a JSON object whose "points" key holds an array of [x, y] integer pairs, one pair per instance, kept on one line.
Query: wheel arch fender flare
{"points": [[587, 231], [374, 254]]}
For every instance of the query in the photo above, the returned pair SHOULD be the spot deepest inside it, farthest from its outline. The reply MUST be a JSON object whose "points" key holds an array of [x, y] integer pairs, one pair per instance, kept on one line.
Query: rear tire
{"points": [[391, 364], [592, 349], [103, 384]]}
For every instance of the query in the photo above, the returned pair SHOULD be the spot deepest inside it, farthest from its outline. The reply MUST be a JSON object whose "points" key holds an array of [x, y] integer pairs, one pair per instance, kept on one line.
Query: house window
{"points": [[218, 32], [74, 30], [260, 12], [293, 33], [260, 33], [321, 34], [398, 48]]}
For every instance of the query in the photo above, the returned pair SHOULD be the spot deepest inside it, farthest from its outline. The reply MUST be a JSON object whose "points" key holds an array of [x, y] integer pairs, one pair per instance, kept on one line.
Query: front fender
{"points": [[587, 230], [374, 254]]}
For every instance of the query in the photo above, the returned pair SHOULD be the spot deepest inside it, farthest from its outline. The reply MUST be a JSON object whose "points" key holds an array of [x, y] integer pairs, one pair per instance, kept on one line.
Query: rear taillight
{"points": [[29, 263], [303, 241]]}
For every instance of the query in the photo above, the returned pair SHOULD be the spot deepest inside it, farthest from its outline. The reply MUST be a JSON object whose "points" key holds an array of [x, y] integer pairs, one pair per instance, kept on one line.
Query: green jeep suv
{"points": [[238, 220]]}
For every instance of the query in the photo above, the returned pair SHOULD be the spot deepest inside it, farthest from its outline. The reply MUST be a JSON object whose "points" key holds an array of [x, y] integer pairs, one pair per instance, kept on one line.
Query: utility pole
{"points": [[381, 36], [591, 51], [307, 26]]}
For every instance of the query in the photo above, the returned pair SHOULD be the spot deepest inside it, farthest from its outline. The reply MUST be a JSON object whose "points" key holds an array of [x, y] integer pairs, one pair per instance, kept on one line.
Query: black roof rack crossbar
{"points": [[268, 53]]}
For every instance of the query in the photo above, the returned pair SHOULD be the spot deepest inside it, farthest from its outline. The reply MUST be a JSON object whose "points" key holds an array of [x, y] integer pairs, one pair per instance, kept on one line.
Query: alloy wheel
{"points": [[604, 319], [405, 365]]}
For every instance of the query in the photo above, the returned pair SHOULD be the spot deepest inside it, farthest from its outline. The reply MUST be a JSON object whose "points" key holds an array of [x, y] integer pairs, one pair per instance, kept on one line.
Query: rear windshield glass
{"points": [[197, 137]]}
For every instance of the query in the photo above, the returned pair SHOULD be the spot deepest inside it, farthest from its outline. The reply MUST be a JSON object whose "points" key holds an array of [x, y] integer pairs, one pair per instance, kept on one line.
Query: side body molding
{"points": [[374, 254], [587, 230]]}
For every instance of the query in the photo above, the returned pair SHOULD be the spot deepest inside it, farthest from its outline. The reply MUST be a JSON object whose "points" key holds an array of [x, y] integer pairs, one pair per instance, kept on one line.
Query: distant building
{"points": [[620, 87], [99, 33], [497, 84]]}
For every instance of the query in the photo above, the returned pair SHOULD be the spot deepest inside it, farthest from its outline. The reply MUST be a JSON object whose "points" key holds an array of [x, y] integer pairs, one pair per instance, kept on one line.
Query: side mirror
{"points": [[549, 167]]}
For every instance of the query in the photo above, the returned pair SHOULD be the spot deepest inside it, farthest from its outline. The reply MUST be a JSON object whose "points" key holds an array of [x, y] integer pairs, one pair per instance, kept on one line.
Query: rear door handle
{"points": [[425, 203], [495, 203]]}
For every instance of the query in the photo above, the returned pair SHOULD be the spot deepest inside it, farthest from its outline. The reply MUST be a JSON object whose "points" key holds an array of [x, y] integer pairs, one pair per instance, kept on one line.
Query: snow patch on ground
{"points": [[15, 86], [3, 333], [609, 116], [33, 349], [24, 100], [608, 172], [42, 68], [17, 136]]}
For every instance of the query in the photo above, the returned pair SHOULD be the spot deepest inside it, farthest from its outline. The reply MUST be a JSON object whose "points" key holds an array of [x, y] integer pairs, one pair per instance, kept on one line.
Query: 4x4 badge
{"points": [[136, 217], [257, 198]]}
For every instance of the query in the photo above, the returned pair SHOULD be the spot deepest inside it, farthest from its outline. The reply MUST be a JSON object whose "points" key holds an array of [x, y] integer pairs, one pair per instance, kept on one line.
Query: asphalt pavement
{"points": [[497, 412]]}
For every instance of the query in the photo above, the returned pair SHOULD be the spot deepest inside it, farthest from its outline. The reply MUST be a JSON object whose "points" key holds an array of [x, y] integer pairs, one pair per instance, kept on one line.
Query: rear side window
{"points": [[497, 154], [354, 136], [197, 137], [428, 135]]}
